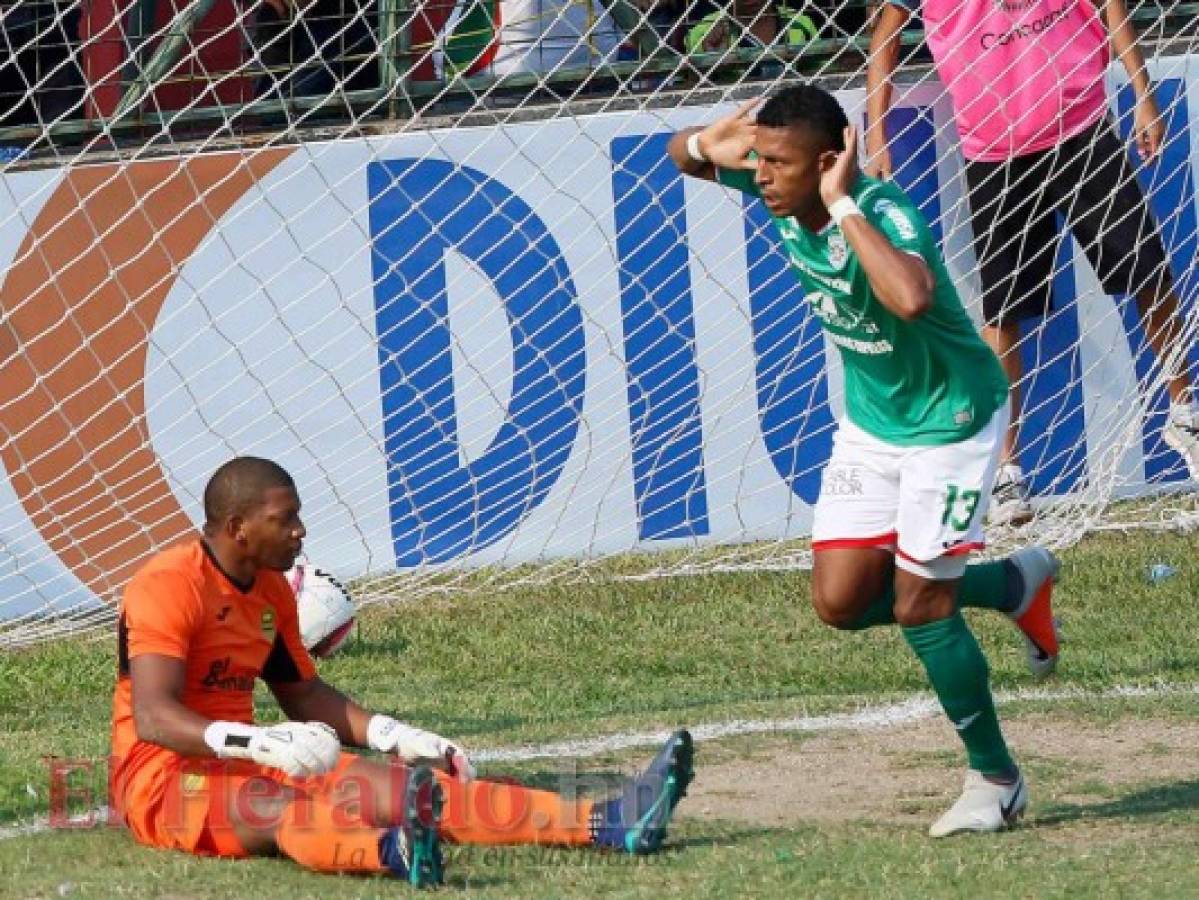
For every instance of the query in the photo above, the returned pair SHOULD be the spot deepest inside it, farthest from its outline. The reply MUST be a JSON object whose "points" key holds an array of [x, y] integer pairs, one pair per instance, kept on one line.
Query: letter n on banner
{"points": [[659, 340], [420, 208], [1168, 183], [797, 423]]}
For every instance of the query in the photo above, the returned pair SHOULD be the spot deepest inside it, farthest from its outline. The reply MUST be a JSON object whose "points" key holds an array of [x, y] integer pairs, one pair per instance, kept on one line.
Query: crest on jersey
{"points": [[823, 305], [268, 624], [838, 252]]}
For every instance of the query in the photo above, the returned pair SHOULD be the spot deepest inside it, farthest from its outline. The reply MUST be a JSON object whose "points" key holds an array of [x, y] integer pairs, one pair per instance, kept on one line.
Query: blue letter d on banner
{"points": [[439, 508]]}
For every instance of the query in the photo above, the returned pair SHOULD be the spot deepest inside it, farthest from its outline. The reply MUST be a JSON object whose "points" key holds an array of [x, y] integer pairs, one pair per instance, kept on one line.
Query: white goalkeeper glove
{"points": [[298, 748], [413, 746]]}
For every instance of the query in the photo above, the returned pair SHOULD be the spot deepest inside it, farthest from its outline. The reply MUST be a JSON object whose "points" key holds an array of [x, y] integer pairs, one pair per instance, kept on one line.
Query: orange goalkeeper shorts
{"points": [[188, 803]]}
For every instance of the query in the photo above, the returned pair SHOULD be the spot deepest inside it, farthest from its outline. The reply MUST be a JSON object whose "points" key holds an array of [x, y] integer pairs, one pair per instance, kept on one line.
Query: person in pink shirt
{"points": [[1026, 78]]}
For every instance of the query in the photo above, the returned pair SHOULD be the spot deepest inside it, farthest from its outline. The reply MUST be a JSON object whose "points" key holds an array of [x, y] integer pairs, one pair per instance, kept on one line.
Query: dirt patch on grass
{"points": [[907, 775]]}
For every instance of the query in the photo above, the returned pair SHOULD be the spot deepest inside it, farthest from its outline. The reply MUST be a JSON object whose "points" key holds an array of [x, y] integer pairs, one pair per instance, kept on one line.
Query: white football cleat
{"points": [[1034, 616], [1009, 497], [983, 806], [1181, 433]]}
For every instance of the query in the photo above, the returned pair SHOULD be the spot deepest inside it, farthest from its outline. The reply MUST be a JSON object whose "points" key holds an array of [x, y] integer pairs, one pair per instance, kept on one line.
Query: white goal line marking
{"points": [[868, 718], [890, 715]]}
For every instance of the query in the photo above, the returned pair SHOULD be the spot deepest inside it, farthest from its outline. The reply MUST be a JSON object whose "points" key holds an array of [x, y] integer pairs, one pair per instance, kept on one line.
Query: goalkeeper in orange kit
{"points": [[202, 621]]}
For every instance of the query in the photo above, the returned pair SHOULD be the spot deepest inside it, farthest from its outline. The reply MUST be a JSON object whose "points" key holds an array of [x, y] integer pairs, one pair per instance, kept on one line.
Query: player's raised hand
{"points": [[416, 746], [837, 180], [726, 143]]}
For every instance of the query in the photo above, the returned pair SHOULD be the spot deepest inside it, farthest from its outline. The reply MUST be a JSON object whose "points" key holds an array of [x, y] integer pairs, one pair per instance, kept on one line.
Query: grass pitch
{"points": [[807, 814]]}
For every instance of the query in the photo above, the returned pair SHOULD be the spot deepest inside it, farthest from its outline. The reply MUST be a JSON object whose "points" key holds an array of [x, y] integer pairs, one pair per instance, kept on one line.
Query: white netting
{"points": [[431, 256]]}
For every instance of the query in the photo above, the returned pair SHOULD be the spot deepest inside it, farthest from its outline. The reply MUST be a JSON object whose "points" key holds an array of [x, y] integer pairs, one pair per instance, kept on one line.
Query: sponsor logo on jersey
{"points": [[823, 305], [963, 417], [825, 308], [268, 624], [841, 285], [1025, 28], [192, 782], [901, 221], [868, 348], [220, 678]]}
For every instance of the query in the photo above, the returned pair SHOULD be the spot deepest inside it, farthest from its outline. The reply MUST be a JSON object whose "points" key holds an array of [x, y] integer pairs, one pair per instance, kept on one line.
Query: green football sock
{"points": [[958, 673], [881, 611], [991, 585]]}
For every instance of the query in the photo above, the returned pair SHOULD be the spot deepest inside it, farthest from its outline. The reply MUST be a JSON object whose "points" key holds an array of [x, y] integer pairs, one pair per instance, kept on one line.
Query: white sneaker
{"points": [[1181, 433], [1009, 497], [1034, 616], [983, 806]]}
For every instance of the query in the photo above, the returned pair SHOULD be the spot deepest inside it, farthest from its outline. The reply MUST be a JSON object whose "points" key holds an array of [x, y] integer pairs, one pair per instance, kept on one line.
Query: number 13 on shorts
{"points": [[960, 507]]}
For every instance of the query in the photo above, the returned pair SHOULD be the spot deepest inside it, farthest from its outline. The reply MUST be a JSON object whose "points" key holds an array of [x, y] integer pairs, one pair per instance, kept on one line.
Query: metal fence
{"points": [[96, 74]]}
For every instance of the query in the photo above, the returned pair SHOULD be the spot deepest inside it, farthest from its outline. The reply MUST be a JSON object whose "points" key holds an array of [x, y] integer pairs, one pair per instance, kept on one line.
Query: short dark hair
{"points": [[239, 485], [810, 107]]}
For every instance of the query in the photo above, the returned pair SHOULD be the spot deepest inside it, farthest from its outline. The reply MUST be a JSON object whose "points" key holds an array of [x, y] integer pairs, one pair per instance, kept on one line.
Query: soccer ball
{"points": [[325, 606]]}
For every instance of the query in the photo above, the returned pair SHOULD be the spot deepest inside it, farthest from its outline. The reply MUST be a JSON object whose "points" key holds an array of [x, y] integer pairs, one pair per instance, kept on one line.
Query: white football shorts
{"points": [[927, 505]]}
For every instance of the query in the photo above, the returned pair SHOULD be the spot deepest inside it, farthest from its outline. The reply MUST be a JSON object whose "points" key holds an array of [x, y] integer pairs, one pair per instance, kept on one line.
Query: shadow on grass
{"points": [[362, 646], [596, 785], [1164, 798], [706, 841]]}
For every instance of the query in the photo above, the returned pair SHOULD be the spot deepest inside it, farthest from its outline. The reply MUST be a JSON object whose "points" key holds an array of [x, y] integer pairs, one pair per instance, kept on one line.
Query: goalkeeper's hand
{"points": [[414, 745], [298, 748]]}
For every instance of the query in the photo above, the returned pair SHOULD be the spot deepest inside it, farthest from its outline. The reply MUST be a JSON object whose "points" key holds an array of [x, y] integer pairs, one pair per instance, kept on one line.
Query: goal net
{"points": [[431, 257]]}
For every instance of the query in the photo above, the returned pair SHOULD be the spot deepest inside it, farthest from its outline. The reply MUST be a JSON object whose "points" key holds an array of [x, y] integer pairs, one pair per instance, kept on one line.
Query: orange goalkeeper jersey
{"points": [[181, 604]]}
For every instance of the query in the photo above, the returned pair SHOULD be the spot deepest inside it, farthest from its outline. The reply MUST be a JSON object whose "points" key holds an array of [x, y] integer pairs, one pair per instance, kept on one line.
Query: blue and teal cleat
{"points": [[413, 850], [636, 821]]}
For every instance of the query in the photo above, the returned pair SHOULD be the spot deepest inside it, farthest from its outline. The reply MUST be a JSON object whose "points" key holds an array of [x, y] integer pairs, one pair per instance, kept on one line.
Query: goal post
{"points": [[474, 310]]}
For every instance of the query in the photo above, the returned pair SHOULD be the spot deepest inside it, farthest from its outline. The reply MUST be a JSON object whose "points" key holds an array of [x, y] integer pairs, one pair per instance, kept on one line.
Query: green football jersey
{"points": [[930, 380]]}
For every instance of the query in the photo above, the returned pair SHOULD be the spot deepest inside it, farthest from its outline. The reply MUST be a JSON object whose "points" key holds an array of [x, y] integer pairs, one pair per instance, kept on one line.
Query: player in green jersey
{"points": [[904, 495]]}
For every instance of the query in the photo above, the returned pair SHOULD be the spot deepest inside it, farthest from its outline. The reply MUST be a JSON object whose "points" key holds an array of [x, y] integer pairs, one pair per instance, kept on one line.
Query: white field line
{"points": [[890, 715]]}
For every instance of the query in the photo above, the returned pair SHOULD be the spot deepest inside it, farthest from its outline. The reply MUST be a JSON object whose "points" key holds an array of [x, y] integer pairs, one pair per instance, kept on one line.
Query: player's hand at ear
{"points": [[416, 746], [839, 170], [298, 748], [727, 142]]}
